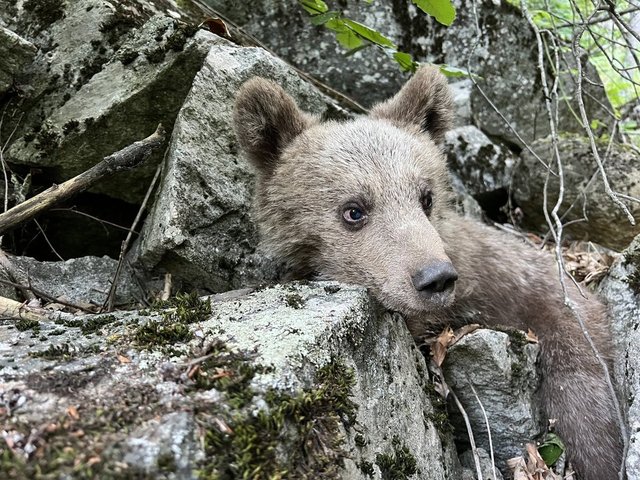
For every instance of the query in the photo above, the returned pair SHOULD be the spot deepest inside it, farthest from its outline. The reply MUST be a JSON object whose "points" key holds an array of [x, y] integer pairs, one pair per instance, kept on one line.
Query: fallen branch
{"points": [[20, 311], [125, 159], [46, 296]]}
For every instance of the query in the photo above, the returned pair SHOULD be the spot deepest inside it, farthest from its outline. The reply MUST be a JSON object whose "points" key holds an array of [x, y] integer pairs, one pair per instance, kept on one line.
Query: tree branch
{"points": [[125, 159]]}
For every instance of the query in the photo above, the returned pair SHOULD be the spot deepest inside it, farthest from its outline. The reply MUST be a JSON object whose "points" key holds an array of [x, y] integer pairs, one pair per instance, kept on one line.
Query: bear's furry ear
{"points": [[266, 119], [425, 101]]}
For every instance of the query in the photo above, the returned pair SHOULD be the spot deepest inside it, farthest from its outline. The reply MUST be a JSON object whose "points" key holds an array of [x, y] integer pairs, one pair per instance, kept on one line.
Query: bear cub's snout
{"points": [[435, 281]]}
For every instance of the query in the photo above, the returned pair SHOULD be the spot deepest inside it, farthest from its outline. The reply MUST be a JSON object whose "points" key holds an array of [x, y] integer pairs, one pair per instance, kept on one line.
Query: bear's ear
{"points": [[425, 101], [266, 119]]}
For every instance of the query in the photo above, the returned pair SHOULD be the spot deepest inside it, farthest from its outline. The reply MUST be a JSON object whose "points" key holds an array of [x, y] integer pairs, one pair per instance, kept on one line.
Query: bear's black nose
{"points": [[437, 277]]}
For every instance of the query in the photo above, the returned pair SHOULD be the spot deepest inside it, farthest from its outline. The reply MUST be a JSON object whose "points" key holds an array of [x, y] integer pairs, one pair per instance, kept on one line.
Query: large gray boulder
{"points": [[502, 54], [309, 378], [482, 165], [621, 289], [368, 76], [605, 223], [200, 228], [85, 281], [15, 54], [501, 368], [125, 98]]}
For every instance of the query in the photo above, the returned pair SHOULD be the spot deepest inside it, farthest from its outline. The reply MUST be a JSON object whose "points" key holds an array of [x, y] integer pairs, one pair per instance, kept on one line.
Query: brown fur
{"points": [[309, 172]]}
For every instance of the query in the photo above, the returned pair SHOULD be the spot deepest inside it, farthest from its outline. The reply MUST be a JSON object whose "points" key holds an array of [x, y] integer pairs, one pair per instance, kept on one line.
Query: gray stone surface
{"points": [[607, 224], [84, 280], [368, 76], [504, 375], [122, 102], [504, 58], [170, 439], [621, 289], [200, 228], [141, 413], [486, 467], [15, 53], [481, 164]]}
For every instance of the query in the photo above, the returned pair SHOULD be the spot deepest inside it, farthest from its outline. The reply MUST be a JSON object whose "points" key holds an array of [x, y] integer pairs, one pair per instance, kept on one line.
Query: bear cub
{"points": [[368, 202]]}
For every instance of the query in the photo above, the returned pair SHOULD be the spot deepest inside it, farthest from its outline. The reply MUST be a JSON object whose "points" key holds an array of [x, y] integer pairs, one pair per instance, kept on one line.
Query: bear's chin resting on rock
{"points": [[368, 202]]}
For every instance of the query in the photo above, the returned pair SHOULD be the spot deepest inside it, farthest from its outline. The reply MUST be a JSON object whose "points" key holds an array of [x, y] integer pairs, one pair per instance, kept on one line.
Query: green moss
{"points": [[160, 333], [439, 415], [68, 447], [47, 140], [46, 12], [177, 314], [89, 325], [26, 324], [94, 324], [185, 308], [632, 258], [366, 468], [399, 465], [180, 35], [306, 425], [294, 300], [55, 352]]}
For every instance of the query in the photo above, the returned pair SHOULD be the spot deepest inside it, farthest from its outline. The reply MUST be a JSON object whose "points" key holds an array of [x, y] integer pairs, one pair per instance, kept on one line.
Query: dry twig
{"points": [[125, 159]]}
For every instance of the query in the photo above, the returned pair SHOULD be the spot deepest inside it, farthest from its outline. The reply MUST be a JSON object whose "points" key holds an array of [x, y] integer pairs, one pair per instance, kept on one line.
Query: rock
{"points": [[200, 229], [607, 224], [486, 467], [15, 53], [166, 444], [501, 368], [621, 290], [367, 76], [123, 101], [504, 59], [482, 165], [310, 377], [84, 280]]}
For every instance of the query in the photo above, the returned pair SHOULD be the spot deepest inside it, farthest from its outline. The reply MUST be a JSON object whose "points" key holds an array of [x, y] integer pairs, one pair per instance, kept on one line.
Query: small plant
{"points": [[354, 36]]}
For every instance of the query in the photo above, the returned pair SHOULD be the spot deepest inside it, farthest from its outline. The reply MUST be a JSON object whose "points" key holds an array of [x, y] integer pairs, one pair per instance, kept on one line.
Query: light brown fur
{"points": [[310, 172]]}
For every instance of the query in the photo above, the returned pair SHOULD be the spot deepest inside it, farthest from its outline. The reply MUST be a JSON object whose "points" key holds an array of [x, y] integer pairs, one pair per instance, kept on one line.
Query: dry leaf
{"points": [[439, 347], [193, 371], [217, 26], [222, 426], [93, 461], [531, 336], [518, 468], [73, 412], [123, 358], [462, 331], [222, 373]]}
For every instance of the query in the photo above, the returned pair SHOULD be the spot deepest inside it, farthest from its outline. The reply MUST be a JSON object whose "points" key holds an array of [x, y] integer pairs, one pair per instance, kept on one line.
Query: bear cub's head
{"points": [[358, 201]]}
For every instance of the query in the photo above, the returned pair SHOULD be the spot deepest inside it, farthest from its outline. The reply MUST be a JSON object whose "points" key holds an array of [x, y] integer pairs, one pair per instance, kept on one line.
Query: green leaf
{"points": [[324, 17], [551, 449], [369, 34], [357, 49], [349, 40], [337, 25], [406, 62], [453, 72], [442, 10], [314, 7]]}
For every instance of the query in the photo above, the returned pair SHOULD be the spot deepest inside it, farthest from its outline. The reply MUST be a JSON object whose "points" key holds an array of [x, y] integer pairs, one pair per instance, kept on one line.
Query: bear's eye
{"points": [[354, 215], [427, 203]]}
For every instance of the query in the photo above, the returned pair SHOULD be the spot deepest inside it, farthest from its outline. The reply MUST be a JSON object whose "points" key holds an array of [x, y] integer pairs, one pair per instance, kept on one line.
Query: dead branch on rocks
{"points": [[125, 159], [21, 311]]}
